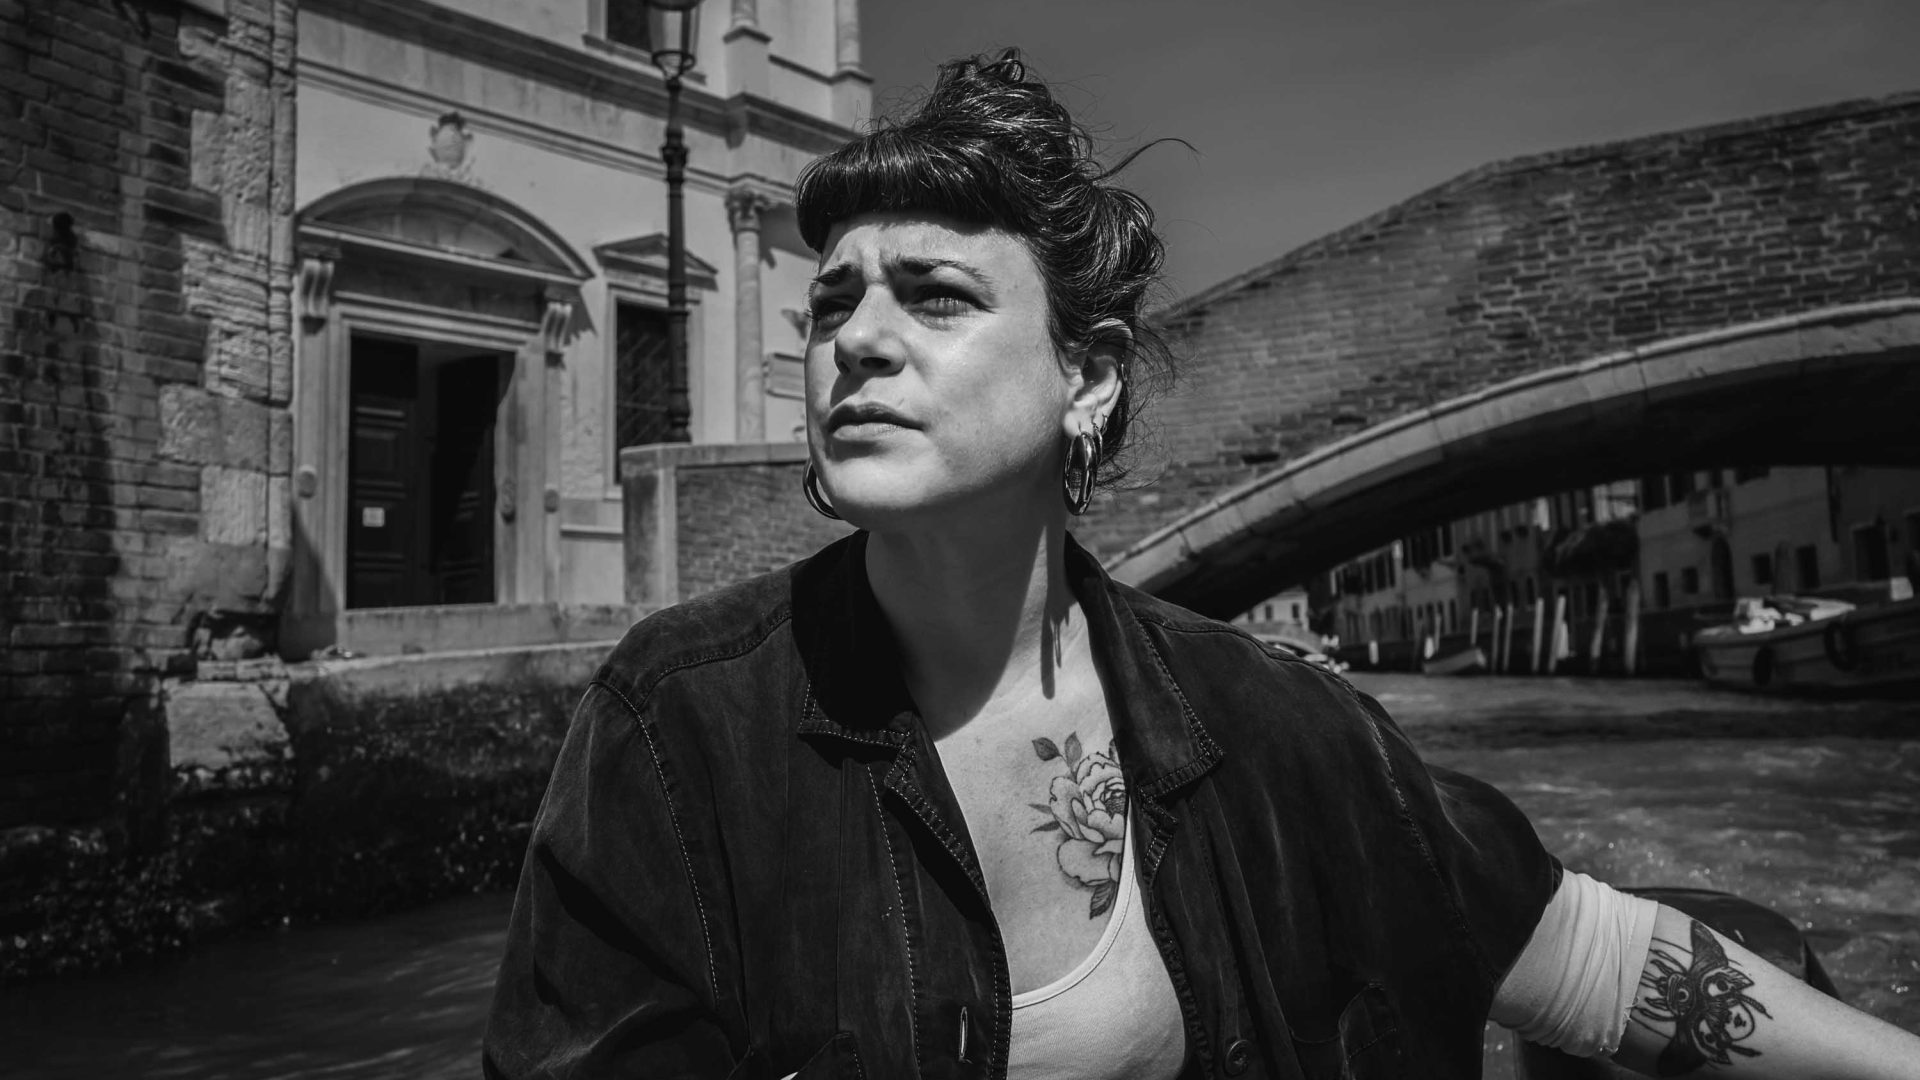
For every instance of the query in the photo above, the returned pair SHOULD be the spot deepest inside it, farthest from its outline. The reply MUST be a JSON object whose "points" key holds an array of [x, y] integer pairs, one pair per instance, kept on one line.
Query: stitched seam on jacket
{"points": [[679, 836], [1178, 776], [900, 897]]}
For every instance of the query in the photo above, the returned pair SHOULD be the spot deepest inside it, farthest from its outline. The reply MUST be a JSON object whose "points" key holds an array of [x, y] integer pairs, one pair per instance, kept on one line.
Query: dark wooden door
{"points": [[386, 538], [467, 397]]}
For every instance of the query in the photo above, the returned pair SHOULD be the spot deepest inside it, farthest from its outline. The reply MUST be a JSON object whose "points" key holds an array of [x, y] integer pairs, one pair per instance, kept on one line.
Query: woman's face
{"points": [[932, 380]]}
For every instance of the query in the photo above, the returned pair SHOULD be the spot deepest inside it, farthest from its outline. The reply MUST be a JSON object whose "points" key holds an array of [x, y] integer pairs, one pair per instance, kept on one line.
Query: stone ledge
{"points": [[639, 460], [449, 628]]}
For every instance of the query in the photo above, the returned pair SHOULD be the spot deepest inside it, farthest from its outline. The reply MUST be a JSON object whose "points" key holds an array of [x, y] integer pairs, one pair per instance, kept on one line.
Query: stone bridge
{"points": [[1741, 294]]}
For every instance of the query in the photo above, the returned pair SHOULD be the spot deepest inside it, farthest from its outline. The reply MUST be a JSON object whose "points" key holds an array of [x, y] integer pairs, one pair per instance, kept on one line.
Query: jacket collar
{"points": [[1158, 731], [856, 691], [854, 685]]}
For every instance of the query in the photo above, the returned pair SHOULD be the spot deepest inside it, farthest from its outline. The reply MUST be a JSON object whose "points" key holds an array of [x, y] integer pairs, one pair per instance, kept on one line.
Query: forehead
{"points": [[878, 241]]}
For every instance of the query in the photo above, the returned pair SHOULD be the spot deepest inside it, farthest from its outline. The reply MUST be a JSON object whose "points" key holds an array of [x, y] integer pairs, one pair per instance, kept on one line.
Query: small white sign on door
{"points": [[373, 517]]}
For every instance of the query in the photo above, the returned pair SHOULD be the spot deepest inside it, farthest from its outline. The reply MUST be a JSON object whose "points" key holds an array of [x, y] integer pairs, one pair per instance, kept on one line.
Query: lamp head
{"points": [[678, 25]]}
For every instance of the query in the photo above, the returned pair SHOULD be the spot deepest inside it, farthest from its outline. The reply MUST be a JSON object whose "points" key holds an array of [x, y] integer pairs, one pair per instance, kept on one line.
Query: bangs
{"points": [[896, 170]]}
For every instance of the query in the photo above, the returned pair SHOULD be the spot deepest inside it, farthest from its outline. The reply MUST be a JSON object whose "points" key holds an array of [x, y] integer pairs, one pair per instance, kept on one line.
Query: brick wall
{"points": [[736, 521], [1523, 266], [144, 375]]}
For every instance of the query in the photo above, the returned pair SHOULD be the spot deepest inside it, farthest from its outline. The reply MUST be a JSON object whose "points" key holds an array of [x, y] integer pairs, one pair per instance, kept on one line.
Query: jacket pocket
{"points": [[1366, 1046]]}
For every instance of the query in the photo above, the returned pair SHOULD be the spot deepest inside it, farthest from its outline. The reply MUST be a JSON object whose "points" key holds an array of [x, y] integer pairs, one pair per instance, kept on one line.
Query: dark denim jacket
{"points": [[749, 861]]}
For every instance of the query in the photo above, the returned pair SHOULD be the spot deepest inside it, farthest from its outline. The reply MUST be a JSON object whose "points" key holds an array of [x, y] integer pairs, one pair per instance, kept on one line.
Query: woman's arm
{"points": [[1707, 1005], [609, 969]]}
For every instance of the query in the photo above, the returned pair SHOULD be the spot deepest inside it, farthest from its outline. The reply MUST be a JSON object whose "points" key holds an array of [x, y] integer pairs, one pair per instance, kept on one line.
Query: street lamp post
{"points": [[673, 54]]}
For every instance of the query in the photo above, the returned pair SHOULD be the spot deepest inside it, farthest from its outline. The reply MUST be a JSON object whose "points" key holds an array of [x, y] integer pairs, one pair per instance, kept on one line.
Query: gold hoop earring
{"points": [[816, 495], [1082, 468]]}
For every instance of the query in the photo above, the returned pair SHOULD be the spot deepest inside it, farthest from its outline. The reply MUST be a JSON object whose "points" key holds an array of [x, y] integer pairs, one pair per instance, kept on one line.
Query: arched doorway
{"points": [[426, 431]]}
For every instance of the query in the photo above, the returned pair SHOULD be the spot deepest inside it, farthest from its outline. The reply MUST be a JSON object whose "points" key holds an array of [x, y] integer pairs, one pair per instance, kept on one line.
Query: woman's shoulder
{"points": [[1237, 677], [715, 635], [1198, 638]]}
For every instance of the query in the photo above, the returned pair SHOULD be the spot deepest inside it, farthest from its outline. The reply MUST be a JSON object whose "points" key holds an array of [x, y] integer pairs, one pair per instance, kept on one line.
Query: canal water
{"points": [[1810, 808]]}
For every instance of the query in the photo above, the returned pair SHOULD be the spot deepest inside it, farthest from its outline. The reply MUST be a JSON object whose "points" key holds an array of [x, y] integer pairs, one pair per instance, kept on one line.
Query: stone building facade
{"points": [[482, 253]]}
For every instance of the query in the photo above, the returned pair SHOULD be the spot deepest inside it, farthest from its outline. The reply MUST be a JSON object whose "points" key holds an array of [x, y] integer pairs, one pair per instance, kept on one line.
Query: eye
{"points": [[939, 299], [828, 311]]}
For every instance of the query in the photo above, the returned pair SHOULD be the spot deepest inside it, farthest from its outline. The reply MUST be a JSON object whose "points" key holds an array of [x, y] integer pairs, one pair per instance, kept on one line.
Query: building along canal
{"points": [[1809, 807]]}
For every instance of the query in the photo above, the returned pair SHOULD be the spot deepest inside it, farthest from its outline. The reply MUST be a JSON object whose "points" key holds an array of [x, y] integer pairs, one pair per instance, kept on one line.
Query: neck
{"points": [[979, 614]]}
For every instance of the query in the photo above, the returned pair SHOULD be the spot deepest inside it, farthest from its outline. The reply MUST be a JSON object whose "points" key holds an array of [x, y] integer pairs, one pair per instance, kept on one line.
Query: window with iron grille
{"points": [[641, 371]]}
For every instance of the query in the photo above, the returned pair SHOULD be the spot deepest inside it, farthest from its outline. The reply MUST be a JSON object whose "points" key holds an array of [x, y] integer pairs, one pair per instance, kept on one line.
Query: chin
{"points": [[895, 499], [882, 508]]}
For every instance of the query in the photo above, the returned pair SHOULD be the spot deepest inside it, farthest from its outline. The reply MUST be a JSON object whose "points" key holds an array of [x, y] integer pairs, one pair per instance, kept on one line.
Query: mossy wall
{"points": [[401, 781]]}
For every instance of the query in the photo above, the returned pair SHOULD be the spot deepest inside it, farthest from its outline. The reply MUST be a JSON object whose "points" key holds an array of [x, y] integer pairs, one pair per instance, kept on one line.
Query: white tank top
{"points": [[1114, 1016]]}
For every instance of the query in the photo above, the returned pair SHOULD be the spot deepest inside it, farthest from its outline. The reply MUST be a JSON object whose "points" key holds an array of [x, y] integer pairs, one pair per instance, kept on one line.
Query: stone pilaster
{"points": [[744, 207], [852, 86], [746, 45]]}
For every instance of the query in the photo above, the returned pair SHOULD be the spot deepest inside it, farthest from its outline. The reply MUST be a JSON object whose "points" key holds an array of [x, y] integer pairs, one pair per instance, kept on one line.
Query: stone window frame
{"points": [[638, 296], [641, 279]]}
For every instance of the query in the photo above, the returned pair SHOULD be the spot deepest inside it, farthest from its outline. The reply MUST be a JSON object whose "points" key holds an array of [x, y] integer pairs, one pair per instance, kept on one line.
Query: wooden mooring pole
{"points": [[1630, 630]]}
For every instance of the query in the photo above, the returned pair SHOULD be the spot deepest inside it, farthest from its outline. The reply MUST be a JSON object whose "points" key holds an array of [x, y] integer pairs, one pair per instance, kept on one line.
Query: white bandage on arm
{"points": [[1575, 980]]}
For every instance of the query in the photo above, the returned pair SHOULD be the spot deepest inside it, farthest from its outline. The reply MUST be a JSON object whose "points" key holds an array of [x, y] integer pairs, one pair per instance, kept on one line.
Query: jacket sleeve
{"points": [[609, 964], [1495, 876]]}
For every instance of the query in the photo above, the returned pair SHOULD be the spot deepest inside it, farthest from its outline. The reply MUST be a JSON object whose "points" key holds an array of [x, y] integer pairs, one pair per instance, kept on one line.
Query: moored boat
{"points": [[1468, 661], [1788, 643], [1306, 645]]}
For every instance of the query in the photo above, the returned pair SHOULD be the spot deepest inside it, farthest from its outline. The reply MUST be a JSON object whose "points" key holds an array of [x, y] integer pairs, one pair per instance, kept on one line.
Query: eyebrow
{"points": [[918, 266]]}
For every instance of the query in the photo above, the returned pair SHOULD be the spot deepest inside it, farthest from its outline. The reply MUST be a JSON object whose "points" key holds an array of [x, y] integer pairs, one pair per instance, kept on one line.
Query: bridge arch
{"points": [[1828, 386]]}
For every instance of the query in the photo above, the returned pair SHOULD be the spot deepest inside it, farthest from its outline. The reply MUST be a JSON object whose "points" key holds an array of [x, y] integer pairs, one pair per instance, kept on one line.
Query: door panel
{"points": [[467, 397], [384, 538]]}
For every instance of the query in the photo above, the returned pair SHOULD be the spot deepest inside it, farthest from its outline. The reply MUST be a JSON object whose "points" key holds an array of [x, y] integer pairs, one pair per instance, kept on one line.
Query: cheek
{"points": [[820, 373]]}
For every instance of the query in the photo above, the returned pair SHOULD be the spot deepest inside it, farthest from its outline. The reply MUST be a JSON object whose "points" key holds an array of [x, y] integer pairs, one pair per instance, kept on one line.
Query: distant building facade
{"points": [[1709, 536], [1677, 549], [1291, 609]]}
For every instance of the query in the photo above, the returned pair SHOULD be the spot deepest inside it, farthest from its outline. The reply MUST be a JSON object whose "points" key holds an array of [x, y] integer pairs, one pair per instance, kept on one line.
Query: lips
{"points": [[849, 413]]}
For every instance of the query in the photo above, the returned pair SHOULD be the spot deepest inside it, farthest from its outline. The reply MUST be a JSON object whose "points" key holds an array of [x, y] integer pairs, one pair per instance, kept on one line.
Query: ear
{"points": [[1098, 377]]}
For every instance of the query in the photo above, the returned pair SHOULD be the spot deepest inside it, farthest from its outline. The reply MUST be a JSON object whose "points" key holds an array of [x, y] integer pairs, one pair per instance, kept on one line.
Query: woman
{"points": [[943, 800]]}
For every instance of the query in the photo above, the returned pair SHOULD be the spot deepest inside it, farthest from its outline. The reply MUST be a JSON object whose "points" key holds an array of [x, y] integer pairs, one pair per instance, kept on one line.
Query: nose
{"points": [[869, 342]]}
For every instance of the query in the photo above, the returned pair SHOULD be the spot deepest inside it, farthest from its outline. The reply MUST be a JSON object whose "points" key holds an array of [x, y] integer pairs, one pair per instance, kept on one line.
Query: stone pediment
{"points": [[641, 263], [445, 223]]}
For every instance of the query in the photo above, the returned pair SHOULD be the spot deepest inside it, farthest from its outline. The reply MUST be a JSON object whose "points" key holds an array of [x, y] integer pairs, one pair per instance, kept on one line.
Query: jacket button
{"points": [[1239, 1056]]}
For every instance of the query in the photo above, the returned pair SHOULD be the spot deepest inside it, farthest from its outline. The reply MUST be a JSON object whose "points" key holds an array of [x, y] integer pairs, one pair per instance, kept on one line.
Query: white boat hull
{"points": [[1868, 648], [1465, 662]]}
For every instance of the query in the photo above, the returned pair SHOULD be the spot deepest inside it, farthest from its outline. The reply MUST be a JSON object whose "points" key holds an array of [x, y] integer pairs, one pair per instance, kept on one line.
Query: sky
{"points": [[1308, 115]]}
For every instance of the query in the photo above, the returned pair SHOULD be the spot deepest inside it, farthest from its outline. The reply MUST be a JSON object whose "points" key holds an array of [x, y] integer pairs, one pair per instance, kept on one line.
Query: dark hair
{"points": [[991, 146]]}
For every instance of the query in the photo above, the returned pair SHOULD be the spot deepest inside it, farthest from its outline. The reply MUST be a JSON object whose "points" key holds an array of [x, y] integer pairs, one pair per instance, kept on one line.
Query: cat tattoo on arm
{"points": [[1088, 808]]}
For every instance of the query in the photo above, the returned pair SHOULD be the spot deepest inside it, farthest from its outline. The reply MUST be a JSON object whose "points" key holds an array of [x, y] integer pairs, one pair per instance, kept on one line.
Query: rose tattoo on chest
{"points": [[1088, 808]]}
